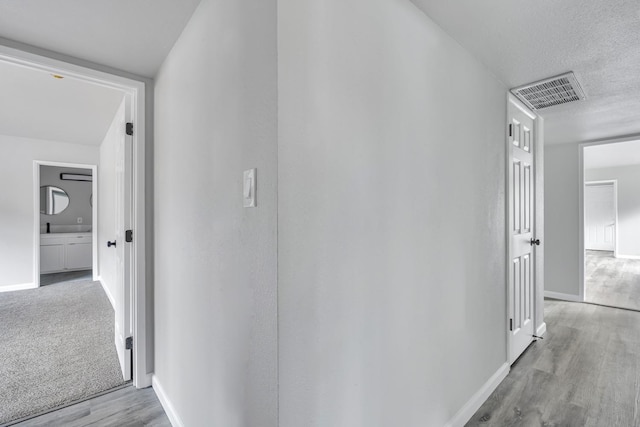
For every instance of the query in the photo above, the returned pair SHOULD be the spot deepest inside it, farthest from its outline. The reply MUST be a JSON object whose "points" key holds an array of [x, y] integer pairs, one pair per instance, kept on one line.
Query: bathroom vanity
{"points": [[65, 252]]}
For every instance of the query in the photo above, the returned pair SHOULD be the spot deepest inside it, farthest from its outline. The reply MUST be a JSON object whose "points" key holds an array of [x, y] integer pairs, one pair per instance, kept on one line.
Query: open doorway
{"points": [[67, 223], [611, 224], [57, 335]]}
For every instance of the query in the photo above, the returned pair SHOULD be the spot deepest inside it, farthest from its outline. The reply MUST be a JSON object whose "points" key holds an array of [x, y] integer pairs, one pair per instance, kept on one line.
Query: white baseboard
{"points": [[476, 401], [542, 329], [627, 256], [561, 296], [106, 291], [21, 287], [144, 381], [166, 403]]}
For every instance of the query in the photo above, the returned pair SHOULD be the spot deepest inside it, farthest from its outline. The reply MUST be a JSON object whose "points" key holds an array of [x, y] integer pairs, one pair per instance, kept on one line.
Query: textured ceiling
{"points": [[520, 41], [524, 41], [33, 104], [130, 35], [611, 155]]}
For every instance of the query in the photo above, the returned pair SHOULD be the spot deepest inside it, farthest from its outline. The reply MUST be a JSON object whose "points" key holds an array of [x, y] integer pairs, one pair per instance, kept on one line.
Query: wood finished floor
{"points": [[586, 372], [127, 407], [612, 281]]}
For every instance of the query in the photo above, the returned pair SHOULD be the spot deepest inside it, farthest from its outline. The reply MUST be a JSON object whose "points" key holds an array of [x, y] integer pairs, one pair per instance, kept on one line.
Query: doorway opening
{"points": [[76, 244], [610, 223], [67, 226]]}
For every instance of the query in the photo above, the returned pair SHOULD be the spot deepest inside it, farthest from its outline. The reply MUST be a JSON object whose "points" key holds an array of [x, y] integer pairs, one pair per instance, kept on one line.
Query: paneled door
{"points": [[123, 220], [599, 216], [521, 176]]}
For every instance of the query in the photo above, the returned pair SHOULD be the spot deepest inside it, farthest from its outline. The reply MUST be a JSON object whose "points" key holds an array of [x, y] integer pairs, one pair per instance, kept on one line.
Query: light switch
{"points": [[249, 188]]}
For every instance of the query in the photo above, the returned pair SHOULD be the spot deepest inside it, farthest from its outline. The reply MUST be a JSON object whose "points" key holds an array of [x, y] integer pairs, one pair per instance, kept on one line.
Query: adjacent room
{"points": [[57, 284], [612, 224], [66, 220]]}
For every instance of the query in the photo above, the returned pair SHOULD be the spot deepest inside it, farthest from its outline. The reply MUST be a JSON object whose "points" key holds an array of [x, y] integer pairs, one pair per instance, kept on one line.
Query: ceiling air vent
{"points": [[549, 92]]}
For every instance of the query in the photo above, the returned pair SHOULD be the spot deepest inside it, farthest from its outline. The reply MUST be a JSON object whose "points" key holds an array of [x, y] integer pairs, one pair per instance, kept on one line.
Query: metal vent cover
{"points": [[549, 92]]}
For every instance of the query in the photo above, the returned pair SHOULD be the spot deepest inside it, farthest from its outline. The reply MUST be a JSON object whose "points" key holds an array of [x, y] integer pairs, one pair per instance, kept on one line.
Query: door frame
{"points": [[36, 214], [537, 145], [581, 183], [136, 87], [613, 182]]}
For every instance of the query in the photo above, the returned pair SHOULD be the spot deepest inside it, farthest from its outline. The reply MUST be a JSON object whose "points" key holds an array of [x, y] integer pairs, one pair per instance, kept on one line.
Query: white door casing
{"points": [[600, 216], [123, 300], [521, 231], [136, 89]]}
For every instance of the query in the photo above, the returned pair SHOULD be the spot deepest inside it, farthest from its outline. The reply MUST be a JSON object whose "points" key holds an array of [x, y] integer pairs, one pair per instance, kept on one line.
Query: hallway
{"points": [[612, 281], [584, 373]]}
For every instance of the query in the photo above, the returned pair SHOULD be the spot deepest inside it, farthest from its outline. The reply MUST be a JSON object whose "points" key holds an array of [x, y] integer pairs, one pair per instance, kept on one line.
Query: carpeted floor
{"points": [[56, 347]]}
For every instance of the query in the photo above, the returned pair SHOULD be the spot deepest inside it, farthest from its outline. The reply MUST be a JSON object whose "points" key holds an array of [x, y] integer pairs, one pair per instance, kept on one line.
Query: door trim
{"points": [[136, 87], [538, 221], [36, 215], [614, 182]]}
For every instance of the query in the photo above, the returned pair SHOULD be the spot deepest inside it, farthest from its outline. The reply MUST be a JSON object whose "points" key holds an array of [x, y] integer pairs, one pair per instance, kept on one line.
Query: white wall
{"points": [[107, 204], [561, 173], [391, 225], [79, 193], [628, 204], [17, 199], [215, 274]]}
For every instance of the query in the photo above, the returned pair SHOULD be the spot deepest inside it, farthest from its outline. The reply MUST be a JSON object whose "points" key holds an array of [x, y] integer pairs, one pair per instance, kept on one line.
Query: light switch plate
{"points": [[249, 188]]}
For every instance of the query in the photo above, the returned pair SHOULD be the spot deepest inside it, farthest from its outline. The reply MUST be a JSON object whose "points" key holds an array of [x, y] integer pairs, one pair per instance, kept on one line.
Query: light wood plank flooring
{"points": [[127, 407], [612, 281], [586, 372]]}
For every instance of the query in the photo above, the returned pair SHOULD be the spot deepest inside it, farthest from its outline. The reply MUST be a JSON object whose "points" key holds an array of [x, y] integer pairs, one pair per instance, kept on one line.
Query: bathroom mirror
{"points": [[53, 200]]}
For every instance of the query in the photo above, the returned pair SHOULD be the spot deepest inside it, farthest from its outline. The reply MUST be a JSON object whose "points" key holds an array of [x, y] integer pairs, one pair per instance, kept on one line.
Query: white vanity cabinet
{"points": [[65, 252], [51, 254]]}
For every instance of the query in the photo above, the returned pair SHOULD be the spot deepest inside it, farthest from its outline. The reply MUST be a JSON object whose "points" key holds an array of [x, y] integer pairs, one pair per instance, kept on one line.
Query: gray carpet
{"points": [[612, 281], [56, 347]]}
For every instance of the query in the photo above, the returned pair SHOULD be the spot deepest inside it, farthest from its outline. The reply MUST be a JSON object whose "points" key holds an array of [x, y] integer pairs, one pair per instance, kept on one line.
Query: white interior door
{"points": [[521, 175], [122, 297], [599, 216]]}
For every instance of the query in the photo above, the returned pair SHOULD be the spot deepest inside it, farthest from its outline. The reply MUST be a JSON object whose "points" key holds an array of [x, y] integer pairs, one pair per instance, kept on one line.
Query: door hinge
{"points": [[511, 324], [128, 343], [129, 128], [510, 130], [128, 236]]}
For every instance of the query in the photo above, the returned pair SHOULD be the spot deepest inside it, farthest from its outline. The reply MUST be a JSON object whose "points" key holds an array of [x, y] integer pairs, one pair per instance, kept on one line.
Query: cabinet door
{"points": [[78, 256], [51, 258]]}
